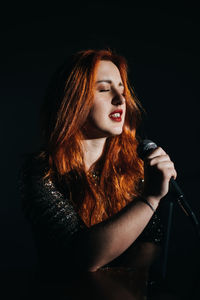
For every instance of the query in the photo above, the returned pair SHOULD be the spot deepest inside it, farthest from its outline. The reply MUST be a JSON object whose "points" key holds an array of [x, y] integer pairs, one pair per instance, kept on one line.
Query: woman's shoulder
{"points": [[34, 176], [45, 203]]}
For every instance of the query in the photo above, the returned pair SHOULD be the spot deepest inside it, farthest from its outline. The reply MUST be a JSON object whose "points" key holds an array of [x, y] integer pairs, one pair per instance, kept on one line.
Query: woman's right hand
{"points": [[158, 169]]}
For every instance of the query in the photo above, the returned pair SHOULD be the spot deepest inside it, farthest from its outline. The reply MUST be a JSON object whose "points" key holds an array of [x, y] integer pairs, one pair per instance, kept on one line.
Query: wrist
{"points": [[152, 202]]}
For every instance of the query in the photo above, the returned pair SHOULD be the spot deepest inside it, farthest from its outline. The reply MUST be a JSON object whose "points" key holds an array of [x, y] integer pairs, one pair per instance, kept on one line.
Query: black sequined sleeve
{"points": [[49, 211]]}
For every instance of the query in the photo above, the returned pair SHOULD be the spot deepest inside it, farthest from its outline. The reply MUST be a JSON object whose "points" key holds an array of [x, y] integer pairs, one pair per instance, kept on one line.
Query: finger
{"points": [[155, 160], [167, 168], [174, 174], [170, 173], [161, 165], [157, 152]]}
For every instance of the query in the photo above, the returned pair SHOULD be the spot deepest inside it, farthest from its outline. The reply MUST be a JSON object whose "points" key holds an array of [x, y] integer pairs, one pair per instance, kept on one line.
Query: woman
{"points": [[87, 194]]}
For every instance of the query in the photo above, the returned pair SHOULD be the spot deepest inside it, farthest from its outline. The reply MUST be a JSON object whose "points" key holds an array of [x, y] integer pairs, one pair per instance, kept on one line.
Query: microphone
{"points": [[145, 147]]}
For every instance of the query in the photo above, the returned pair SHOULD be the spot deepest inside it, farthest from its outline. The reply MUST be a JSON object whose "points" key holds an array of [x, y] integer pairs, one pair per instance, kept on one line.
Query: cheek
{"points": [[99, 111]]}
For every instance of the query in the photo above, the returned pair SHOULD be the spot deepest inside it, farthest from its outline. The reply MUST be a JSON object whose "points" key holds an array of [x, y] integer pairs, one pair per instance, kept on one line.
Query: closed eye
{"points": [[101, 91]]}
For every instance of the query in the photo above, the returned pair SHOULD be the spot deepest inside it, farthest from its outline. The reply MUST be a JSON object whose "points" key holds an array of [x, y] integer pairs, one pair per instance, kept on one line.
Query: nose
{"points": [[118, 99]]}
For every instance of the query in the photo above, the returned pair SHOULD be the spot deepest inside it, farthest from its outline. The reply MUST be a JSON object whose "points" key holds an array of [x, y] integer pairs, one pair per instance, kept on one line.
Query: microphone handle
{"points": [[175, 189], [177, 192]]}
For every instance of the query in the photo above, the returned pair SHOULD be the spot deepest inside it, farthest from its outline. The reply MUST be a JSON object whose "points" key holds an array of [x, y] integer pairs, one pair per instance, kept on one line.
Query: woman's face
{"points": [[108, 112]]}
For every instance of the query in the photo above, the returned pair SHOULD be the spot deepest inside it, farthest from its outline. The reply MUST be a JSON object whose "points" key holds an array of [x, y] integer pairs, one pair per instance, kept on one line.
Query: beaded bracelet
{"points": [[149, 204]]}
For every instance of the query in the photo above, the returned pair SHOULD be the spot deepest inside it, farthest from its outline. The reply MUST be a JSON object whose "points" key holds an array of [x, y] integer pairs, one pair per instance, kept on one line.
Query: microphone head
{"points": [[145, 147]]}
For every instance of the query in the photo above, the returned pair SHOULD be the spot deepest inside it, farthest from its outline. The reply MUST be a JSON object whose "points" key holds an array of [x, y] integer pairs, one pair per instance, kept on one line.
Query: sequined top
{"points": [[53, 217]]}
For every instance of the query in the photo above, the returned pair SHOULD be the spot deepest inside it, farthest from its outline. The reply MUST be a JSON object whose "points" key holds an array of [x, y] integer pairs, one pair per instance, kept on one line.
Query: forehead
{"points": [[107, 69]]}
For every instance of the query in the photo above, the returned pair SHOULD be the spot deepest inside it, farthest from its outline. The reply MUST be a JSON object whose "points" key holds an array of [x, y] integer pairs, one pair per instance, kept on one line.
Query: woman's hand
{"points": [[158, 169]]}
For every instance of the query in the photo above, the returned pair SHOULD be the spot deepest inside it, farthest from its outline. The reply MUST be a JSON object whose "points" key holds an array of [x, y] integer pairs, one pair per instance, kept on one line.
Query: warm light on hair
{"points": [[64, 112]]}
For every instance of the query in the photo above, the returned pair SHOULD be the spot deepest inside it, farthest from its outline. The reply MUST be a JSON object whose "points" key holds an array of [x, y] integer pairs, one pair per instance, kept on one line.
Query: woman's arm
{"points": [[105, 241], [109, 239], [98, 245]]}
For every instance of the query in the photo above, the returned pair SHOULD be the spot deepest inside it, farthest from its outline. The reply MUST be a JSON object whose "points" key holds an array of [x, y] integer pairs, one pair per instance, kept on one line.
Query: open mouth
{"points": [[116, 115]]}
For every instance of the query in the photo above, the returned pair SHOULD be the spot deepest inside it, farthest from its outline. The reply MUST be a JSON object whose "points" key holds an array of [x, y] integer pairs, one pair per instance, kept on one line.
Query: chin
{"points": [[117, 130]]}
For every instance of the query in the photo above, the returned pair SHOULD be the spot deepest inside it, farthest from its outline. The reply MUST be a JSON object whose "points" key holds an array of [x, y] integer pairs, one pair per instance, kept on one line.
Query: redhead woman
{"points": [[91, 201]]}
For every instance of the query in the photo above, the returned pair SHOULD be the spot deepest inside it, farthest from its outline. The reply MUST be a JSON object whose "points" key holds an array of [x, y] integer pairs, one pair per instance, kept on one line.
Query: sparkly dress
{"points": [[54, 220]]}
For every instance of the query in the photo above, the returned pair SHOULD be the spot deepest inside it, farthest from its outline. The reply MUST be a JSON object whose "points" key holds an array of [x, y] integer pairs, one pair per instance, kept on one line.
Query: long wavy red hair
{"points": [[64, 113]]}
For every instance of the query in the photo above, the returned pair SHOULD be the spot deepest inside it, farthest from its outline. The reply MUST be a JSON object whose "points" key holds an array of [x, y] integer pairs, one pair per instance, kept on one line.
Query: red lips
{"points": [[116, 115]]}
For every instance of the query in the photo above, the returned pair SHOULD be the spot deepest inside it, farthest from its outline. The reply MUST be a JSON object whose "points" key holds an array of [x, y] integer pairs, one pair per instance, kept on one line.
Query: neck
{"points": [[92, 150]]}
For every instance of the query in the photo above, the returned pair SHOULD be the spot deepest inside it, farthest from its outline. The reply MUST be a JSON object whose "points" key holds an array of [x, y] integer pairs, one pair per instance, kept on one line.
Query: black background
{"points": [[162, 47]]}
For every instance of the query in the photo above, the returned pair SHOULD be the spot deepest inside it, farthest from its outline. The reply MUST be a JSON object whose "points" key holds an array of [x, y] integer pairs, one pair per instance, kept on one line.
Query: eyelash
{"points": [[104, 91], [101, 91]]}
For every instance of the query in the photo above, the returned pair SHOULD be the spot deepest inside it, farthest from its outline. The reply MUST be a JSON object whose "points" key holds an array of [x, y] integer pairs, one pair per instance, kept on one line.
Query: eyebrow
{"points": [[108, 81]]}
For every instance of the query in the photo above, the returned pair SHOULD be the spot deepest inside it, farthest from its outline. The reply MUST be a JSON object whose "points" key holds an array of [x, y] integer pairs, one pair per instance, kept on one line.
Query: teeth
{"points": [[116, 115]]}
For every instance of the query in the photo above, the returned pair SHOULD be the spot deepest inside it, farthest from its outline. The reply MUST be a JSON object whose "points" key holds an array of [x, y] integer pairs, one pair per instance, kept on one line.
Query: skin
{"points": [[107, 240], [108, 96]]}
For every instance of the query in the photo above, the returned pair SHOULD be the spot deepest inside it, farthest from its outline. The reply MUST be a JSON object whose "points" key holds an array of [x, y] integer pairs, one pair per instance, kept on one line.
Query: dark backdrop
{"points": [[162, 49]]}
